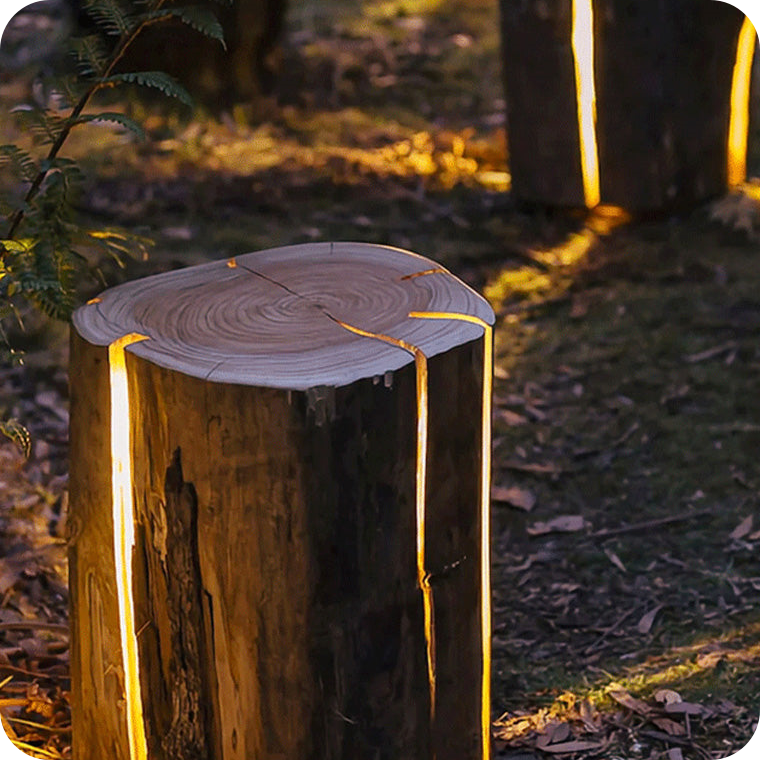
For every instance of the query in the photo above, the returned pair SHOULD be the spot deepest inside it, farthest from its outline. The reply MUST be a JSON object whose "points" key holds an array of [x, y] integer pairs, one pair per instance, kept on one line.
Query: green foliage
{"points": [[196, 17], [156, 79], [45, 253]]}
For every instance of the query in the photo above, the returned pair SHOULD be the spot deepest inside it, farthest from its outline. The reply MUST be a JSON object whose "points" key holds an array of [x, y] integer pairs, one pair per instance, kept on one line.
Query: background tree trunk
{"points": [[276, 572], [663, 71], [218, 78]]}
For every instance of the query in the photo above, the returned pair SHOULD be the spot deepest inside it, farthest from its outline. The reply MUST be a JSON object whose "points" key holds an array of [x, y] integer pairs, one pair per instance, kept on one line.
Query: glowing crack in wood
{"points": [[583, 57], [423, 577], [124, 538], [738, 127], [485, 514]]}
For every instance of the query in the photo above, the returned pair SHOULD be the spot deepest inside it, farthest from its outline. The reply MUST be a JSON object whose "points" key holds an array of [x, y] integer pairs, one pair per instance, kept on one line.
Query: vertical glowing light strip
{"points": [[485, 515], [124, 538], [423, 577], [583, 57], [738, 127]]}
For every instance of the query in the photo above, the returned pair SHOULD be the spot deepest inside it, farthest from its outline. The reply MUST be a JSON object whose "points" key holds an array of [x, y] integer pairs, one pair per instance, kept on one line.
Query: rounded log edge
{"points": [[282, 317]]}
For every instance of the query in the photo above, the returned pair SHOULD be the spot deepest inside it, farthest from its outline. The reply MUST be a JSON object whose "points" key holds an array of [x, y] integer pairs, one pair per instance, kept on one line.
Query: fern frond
{"points": [[45, 126], [156, 79], [195, 16], [115, 117], [111, 16], [90, 54], [20, 160]]}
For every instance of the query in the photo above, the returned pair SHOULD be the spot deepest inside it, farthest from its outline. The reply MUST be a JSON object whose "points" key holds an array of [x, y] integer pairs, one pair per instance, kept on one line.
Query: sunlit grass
{"points": [[691, 670]]}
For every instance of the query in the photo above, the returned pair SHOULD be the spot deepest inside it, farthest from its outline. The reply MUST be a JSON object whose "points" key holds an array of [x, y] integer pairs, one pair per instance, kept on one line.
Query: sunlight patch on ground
{"points": [[673, 670]]}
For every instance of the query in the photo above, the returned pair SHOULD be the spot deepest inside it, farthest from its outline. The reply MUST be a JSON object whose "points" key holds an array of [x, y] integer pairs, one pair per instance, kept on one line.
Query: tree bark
{"points": [[662, 71], [277, 594]]}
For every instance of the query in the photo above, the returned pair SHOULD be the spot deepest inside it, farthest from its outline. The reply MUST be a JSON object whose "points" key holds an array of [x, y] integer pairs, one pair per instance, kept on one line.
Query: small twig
{"points": [[605, 532], [596, 644], [711, 353]]}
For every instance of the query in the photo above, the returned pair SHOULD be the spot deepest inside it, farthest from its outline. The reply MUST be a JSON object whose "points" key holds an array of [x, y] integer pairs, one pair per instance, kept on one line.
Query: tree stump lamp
{"points": [[642, 104], [280, 470]]}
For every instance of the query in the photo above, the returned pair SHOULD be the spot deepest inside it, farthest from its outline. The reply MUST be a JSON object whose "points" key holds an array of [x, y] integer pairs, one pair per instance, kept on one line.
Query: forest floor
{"points": [[627, 396]]}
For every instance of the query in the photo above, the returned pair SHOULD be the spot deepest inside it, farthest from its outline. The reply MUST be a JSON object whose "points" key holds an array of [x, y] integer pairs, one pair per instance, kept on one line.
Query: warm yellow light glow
{"points": [[485, 515], [124, 538], [435, 270], [570, 251], [583, 57], [423, 577], [738, 128]]}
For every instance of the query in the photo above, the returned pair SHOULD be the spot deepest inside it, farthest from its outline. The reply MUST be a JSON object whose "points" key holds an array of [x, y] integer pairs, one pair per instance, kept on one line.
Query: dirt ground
{"points": [[627, 401]]}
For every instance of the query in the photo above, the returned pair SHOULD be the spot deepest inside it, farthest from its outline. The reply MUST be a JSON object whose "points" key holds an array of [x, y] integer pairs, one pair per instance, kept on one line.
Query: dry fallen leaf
{"points": [[675, 754], [561, 524], [615, 559], [592, 721], [514, 496], [554, 732], [647, 620], [621, 696], [511, 418], [684, 708], [742, 529], [669, 726]]}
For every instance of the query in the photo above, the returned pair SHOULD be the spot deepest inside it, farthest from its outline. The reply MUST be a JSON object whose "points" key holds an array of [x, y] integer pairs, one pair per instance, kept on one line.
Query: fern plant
{"points": [[43, 247]]}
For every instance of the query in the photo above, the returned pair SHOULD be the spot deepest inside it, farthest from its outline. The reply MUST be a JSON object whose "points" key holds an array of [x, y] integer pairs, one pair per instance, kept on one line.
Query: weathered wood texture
{"points": [[663, 72], [275, 570], [542, 120]]}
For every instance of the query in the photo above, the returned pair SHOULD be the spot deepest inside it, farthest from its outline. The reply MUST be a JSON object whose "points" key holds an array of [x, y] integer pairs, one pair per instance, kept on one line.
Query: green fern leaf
{"points": [[44, 125], [90, 54], [195, 16], [115, 117], [157, 79], [21, 161], [111, 16]]}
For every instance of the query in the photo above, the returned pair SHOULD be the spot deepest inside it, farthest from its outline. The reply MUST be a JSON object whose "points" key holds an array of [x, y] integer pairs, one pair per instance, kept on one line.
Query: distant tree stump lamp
{"points": [[642, 104], [280, 474]]}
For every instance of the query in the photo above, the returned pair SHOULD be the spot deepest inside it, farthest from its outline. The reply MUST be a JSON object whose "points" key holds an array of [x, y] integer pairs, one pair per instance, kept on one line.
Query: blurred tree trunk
{"points": [[217, 78]]}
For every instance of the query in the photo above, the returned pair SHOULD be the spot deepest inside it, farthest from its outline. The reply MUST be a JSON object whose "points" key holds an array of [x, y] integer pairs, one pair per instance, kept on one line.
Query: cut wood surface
{"points": [[308, 468], [271, 318]]}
